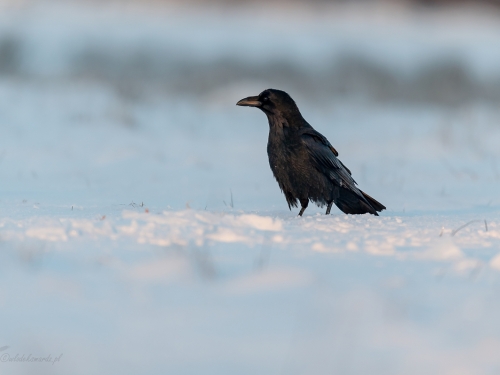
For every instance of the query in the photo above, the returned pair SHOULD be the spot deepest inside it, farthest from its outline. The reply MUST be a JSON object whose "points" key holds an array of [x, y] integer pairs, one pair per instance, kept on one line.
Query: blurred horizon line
{"points": [[387, 3]]}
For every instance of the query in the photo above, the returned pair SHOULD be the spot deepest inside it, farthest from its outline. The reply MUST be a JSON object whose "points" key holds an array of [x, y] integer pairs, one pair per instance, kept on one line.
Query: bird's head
{"points": [[273, 103]]}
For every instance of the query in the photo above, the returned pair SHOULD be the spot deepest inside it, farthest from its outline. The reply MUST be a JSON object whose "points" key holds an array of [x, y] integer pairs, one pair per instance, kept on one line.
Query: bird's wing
{"points": [[309, 130], [324, 158]]}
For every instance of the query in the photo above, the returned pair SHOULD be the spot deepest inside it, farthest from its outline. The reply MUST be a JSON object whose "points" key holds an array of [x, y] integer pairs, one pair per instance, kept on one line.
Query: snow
{"points": [[141, 230]]}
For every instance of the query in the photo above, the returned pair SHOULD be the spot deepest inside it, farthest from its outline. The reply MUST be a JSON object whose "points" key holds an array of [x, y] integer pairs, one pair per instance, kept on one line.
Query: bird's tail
{"points": [[351, 203], [374, 203]]}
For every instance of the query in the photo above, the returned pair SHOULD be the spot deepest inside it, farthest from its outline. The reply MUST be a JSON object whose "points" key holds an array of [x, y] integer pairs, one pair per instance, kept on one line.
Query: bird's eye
{"points": [[265, 99]]}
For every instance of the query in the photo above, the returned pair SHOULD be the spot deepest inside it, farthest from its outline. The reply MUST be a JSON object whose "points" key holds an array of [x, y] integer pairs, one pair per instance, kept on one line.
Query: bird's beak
{"points": [[251, 101]]}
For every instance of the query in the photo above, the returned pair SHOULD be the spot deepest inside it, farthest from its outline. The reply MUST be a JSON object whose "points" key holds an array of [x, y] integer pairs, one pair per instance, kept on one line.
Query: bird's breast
{"points": [[286, 159]]}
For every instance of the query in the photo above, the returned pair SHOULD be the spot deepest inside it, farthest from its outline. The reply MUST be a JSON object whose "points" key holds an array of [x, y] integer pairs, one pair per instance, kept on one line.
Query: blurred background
{"points": [[141, 229], [141, 94]]}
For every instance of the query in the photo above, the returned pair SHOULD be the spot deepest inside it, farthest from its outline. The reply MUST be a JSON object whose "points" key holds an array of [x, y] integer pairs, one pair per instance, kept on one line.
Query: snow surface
{"points": [[141, 230]]}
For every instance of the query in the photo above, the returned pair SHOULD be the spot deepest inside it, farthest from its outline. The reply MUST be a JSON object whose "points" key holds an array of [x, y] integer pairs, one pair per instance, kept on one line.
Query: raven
{"points": [[304, 163]]}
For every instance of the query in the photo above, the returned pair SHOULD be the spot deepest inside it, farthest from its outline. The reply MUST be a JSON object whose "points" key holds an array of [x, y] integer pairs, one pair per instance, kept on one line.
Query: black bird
{"points": [[304, 163]]}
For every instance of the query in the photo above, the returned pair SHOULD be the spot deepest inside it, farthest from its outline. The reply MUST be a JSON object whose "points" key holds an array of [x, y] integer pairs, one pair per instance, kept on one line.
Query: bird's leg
{"points": [[303, 203], [328, 208]]}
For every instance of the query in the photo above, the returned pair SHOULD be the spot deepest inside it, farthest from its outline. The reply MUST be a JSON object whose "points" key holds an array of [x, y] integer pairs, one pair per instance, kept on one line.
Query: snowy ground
{"points": [[141, 230]]}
